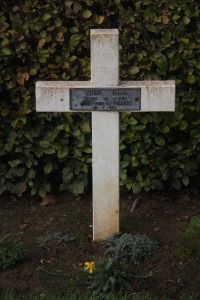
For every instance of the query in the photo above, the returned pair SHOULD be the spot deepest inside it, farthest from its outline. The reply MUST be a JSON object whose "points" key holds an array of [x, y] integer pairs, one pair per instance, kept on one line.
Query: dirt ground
{"points": [[52, 265]]}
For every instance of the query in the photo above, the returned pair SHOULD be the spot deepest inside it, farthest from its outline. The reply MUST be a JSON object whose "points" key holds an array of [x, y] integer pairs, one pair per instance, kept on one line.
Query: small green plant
{"points": [[56, 236], [191, 247], [109, 277], [11, 252], [117, 273], [42, 268], [194, 228], [129, 246]]}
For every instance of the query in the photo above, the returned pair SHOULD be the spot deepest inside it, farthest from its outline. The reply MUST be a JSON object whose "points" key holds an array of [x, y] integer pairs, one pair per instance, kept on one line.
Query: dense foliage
{"points": [[49, 40], [131, 246]]}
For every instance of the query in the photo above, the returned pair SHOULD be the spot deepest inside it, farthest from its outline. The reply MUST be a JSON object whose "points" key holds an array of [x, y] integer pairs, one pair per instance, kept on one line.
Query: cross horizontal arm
{"points": [[54, 96]]}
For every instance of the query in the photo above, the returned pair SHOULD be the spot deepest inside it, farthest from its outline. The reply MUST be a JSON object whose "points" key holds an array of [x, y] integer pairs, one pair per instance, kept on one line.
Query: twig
{"points": [[134, 205]]}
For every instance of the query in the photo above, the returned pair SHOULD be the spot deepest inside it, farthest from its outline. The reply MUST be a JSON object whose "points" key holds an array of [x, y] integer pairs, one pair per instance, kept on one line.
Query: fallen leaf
{"points": [[185, 218], [157, 228], [48, 200], [24, 224], [165, 19]]}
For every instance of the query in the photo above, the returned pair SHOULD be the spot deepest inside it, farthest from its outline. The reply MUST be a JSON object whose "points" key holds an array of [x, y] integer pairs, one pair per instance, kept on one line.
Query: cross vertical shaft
{"points": [[105, 128]]}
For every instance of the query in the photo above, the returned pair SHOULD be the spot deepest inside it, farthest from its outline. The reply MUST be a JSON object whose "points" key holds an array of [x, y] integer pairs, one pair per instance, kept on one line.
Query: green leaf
{"points": [[48, 167], [15, 162], [176, 183], [157, 184], [45, 144], [31, 174], [151, 28], [195, 221], [46, 16], [87, 14], [62, 153], [67, 174], [88, 150], [134, 70], [136, 187], [145, 160], [183, 125], [78, 187], [186, 20], [5, 51], [139, 177], [74, 40], [44, 189], [3, 169], [85, 126], [160, 140], [123, 175], [99, 19], [49, 151], [185, 180], [15, 172], [165, 129], [175, 17], [191, 79]]}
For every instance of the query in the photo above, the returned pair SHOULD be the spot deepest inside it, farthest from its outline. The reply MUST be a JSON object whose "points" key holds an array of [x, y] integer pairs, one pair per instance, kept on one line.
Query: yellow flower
{"points": [[89, 266]]}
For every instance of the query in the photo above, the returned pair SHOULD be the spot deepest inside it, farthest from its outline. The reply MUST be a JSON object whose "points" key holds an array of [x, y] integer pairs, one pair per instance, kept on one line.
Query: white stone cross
{"points": [[55, 97]]}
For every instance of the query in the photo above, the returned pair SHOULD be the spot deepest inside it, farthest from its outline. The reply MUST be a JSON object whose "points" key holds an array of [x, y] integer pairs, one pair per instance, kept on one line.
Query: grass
{"points": [[10, 296], [11, 252]]}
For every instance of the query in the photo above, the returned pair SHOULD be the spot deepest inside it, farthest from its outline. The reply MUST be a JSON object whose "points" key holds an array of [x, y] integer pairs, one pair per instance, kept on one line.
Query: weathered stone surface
{"points": [[105, 136]]}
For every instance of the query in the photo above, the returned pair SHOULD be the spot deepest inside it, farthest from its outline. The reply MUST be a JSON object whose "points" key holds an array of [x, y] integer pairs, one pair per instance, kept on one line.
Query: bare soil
{"points": [[54, 268]]}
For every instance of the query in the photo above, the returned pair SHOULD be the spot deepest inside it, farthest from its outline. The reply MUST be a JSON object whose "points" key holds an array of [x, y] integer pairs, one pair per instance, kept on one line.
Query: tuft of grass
{"points": [[11, 296], [11, 252]]}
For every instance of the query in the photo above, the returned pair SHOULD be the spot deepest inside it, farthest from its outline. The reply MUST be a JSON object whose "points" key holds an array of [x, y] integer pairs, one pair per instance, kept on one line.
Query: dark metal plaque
{"points": [[105, 99]]}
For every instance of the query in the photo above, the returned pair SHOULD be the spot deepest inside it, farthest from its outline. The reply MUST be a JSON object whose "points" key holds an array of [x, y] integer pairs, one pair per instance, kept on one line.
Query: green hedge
{"points": [[49, 40]]}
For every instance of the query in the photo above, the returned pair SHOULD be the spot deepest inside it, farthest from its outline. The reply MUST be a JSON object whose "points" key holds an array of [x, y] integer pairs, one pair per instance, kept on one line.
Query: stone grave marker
{"points": [[105, 96]]}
